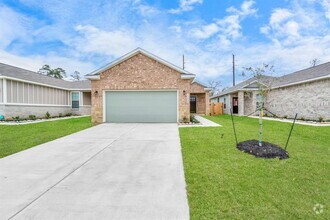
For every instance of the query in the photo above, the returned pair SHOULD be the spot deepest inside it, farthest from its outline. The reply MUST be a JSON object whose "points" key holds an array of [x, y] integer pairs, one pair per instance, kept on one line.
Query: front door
{"points": [[193, 102], [235, 105]]}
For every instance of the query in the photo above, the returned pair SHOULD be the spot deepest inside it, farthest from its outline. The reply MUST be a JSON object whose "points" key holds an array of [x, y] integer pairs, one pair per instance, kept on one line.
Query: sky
{"points": [[85, 35]]}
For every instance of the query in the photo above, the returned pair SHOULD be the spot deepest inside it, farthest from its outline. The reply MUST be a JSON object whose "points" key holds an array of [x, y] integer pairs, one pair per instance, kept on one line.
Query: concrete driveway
{"points": [[110, 171]]}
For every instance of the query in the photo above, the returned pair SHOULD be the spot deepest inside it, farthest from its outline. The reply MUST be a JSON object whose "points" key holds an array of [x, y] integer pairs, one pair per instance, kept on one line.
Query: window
{"points": [[224, 103], [75, 99]]}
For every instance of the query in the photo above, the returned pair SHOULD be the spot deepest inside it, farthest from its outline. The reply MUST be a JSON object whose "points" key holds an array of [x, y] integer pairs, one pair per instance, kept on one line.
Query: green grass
{"points": [[225, 183], [15, 138]]}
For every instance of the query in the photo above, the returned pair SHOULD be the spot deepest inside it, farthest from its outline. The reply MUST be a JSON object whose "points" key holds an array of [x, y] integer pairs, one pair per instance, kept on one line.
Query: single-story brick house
{"points": [[24, 93], [137, 87], [306, 92], [141, 87]]}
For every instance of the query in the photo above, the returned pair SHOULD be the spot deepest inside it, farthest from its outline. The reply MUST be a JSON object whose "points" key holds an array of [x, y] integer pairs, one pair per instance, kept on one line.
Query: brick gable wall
{"points": [[140, 73]]}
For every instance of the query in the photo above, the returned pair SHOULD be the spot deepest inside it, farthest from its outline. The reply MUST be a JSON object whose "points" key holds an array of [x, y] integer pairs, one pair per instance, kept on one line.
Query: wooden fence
{"points": [[216, 108]]}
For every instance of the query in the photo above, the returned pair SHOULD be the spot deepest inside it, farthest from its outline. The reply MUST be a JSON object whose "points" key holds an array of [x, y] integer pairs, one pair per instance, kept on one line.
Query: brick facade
{"points": [[202, 98], [140, 73], [310, 100]]}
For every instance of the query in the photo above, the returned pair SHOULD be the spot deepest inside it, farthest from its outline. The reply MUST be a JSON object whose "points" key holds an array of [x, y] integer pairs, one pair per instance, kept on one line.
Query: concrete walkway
{"points": [[203, 123], [110, 171], [310, 123]]}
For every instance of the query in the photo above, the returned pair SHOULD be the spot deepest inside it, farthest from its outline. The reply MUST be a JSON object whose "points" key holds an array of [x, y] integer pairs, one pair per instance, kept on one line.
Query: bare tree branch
{"points": [[214, 85]]}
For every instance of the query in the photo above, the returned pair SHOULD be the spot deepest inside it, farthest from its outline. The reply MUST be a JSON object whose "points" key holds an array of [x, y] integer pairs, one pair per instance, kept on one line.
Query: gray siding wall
{"points": [[27, 93], [1, 90], [309, 100]]}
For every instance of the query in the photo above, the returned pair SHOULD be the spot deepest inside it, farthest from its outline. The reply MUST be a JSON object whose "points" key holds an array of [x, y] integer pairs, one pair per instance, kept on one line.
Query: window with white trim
{"points": [[75, 99]]}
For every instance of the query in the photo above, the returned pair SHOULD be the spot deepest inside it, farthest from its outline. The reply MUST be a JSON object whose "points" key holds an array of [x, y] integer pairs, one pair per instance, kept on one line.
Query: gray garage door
{"points": [[141, 106]]}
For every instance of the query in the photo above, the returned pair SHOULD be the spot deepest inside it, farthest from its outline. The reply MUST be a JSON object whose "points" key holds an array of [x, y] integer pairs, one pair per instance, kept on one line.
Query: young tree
{"points": [[314, 62], [76, 76], [58, 73], [214, 85], [261, 75]]}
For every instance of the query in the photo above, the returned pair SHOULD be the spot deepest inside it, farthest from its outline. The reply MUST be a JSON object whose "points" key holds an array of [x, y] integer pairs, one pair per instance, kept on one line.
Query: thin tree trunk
{"points": [[260, 126]]}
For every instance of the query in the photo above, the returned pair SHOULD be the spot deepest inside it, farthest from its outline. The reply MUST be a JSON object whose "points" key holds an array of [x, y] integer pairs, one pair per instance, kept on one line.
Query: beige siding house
{"points": [[306, 92], [24, 93]]}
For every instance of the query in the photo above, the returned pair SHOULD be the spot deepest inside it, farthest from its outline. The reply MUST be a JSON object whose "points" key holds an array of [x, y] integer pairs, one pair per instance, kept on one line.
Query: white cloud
{"points": [[289, 26], [279, 15], [205, 31], [245, 9], [13, 26], [326, 6], [35, 62], [144, 9], [112, 43], [228, 27], [185, 5]]}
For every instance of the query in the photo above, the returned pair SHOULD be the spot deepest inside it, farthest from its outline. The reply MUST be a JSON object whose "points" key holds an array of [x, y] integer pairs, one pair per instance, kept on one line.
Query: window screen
{"points": [[75, 99]]}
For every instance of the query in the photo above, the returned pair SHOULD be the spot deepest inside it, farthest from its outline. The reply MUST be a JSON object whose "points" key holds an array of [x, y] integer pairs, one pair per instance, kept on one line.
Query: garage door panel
{"points": [[141, 106]]}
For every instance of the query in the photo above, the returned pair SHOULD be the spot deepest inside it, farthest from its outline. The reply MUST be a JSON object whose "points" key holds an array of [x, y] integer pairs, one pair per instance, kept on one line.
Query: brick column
{"points": [[241, 103], [207, 103]]}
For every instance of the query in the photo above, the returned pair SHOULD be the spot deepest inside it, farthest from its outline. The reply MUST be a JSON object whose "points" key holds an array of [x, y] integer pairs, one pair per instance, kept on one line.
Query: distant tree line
{"points": [[58, 73]]}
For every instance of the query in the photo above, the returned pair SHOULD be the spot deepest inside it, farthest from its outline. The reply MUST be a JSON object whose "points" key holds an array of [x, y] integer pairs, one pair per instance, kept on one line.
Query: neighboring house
{"points": [[306, 92], [141, 87], [24, 93]]}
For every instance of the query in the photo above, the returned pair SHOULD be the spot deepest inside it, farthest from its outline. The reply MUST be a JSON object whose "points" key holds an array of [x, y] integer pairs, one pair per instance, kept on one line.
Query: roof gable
{"points": [[96, 73]]}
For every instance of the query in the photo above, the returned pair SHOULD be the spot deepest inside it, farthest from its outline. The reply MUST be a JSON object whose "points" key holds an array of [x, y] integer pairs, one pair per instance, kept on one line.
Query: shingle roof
{"points": [[23, 74], [322, 70], [264, 79], [318, 71]]}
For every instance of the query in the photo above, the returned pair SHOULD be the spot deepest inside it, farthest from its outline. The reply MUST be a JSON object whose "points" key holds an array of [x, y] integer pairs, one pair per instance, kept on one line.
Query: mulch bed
{"points": [[268, 150]]}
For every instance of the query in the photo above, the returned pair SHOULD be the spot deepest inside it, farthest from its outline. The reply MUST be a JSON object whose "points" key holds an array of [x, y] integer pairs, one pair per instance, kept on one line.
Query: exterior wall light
{"points": [[96, 93]]}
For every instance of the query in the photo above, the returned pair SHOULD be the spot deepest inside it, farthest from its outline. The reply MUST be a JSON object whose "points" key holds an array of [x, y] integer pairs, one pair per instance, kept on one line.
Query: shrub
{"points": [[302, 118], [193, 119], [16, 118], [60, 115], [185, 119], [285, 116], [47, 115], [32, 117], [321, 119], [68, 114]]}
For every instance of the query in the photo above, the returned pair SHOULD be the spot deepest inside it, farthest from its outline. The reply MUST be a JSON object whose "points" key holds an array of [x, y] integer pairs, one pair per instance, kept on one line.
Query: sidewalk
{"points": [[204, 123], [310, 123]]}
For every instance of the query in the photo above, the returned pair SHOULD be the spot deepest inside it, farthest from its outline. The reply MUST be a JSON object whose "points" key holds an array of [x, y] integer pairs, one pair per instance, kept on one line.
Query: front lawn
{"points": [[225, 183], [15, 138]]}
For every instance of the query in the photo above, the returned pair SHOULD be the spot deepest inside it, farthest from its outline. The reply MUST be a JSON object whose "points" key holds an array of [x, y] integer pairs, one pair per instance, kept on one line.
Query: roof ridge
{"points": [[311, 67]]}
